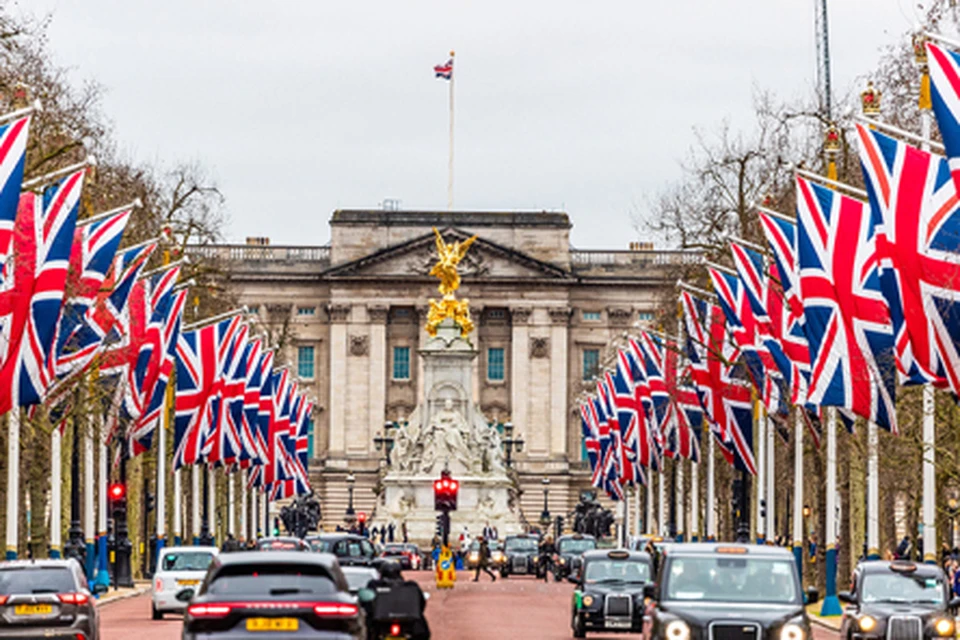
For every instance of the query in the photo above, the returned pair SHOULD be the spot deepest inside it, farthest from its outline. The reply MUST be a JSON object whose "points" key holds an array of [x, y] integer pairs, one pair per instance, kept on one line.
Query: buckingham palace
{"points": [[352, 317]]}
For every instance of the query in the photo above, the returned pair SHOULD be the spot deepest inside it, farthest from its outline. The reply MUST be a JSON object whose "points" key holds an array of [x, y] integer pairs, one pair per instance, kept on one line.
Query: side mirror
{"points": [[650, 591], [184, 595], [813, 595], [845, 596], [366, 595]]}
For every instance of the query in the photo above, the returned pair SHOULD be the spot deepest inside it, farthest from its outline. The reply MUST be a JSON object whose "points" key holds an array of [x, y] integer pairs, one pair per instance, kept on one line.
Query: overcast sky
{"points": [[301, 107]]}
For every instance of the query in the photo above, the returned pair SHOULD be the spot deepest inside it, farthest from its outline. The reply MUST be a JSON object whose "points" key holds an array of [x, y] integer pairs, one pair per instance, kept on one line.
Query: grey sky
{"points": [[301, 107]]}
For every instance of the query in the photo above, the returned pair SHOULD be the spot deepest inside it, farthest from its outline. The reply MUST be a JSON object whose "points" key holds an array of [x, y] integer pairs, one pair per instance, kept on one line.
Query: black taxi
{"points": [[716, 591], [610, 590], [570, 549], [520, 555], [898, 600]]}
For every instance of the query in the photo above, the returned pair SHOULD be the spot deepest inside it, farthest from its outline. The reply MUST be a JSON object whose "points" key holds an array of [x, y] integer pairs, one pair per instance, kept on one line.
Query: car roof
{"points": [[280, 539], [531, 536], [884, 566], [40, 563], [604, 554], [196, 548], [576, 536], [327, 560], [339, 535], [712, 548]]}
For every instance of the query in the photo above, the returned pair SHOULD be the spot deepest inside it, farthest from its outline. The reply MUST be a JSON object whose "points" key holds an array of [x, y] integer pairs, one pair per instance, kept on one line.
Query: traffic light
{"points": [[361, 517], [150, 501], [276, 526], [445, 491], [117, 491]]}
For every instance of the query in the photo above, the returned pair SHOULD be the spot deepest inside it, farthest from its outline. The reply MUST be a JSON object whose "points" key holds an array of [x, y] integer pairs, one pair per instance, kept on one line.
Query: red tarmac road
{"points": [[515, 608]]}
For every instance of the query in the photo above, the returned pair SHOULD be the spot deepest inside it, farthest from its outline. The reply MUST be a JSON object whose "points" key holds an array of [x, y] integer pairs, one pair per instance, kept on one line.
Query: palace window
{"points": [[645, 316], [591, 315], [591, 363], [305, 362], [496, 367], [401, 363], [306, 311]]}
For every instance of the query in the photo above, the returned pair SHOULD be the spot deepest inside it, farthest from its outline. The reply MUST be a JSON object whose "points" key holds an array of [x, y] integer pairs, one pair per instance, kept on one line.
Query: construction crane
{"points": [[823, 58]]}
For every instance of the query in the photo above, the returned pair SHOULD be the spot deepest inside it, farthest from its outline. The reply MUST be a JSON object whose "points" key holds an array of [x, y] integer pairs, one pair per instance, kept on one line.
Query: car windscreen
{"points": [[901, 587], [36, 580], [731, 579], [320, 545], [357, 580], [279, 545], [186, 561], [271, 580], [393, 550], [572, 545], [514, 545], [626, 571], [354, 549]]}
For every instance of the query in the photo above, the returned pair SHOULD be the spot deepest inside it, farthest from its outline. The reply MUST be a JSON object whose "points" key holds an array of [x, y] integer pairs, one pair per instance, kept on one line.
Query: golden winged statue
{"points": [[449, 256]]}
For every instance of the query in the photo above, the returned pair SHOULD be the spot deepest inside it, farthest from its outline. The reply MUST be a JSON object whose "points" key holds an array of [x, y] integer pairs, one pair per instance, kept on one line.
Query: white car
{"points": [[179, 568]]}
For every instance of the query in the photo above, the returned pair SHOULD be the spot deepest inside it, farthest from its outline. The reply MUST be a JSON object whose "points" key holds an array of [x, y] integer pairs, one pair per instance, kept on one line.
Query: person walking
{"points": [[483, 561]]}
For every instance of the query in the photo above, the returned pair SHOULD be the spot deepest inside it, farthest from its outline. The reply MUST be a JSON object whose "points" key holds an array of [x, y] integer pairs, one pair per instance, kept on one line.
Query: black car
{"points": [[46, 599], [349, 548], [722, 591], [273, 594], [609, 593], [570, 549], [520, 555], [282, 543], [897, 600]]}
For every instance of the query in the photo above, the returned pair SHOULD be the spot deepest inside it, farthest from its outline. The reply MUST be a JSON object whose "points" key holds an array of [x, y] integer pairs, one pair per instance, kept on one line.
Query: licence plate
{"points": [[32, 609], [188, 583], [272, 624], [617, 624]]}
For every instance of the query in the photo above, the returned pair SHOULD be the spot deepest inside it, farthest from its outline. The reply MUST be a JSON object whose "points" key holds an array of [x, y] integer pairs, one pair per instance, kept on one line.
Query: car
{"points": [[520, 555], [359, 577], [416, 555], [496, 555], [897, 599], [570, 549], [282, 543], [273, 594], [46, 599], [408, 555], [726, 591], [178, 567], [349, 548], [609, 592]]}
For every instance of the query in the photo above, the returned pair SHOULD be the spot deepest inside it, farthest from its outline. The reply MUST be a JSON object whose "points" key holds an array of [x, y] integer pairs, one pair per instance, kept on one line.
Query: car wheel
{"points": [[157, 615], [578, 630]]}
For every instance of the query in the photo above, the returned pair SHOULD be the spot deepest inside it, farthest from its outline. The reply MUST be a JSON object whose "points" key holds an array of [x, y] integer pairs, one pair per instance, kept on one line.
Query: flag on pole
{"points": [[13, 147], [444, 70]]}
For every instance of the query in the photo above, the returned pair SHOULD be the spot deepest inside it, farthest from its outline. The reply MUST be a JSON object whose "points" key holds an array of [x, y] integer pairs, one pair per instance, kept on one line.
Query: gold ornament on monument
{"points": [[448, 257], [870, 101], [920, 49], [831, 141]]}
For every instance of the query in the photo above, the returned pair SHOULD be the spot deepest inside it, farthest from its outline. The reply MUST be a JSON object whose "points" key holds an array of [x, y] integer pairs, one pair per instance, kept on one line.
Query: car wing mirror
{"points": [[813, 595], [650, 591], [845, 596], [185, 595], [100, 588]]}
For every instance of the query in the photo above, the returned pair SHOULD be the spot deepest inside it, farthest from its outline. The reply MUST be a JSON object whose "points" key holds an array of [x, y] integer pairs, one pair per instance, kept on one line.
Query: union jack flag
{"points": [[591, 444], [32, 299], [222, 444], [945, 93], [685, 415], [727, 400], [13, 147], [284, 392], [847, 319], [444, 70], [920, 246], [609, 452], [260, 363], [300, 461], [265, 418], [201, 354], [625, 417]]}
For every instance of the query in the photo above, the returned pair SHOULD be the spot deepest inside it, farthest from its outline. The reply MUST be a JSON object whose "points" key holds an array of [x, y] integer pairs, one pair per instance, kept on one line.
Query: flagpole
{"points": [[650, 479], [450, 166], [231, 504], [798, 490], [760, 442], [710, 516], [661, 500], [771, 482], [694, 499], [195, 503], [13, 472], [177, 513], [89, 506], [103, 571], [873, 491], [831, 605], [681, 528], [636, 511], [56, 487], [161, 503], [243, 511], [212, 505]]}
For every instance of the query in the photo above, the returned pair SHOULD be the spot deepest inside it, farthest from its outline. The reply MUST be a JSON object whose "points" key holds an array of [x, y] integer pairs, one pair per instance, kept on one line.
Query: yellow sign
{"points": [[446, 569], [272, 624], [448, 257]]}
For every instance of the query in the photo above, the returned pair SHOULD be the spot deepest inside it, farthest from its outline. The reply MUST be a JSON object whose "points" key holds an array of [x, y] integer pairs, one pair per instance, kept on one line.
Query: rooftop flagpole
{"points": [[450, 167]]}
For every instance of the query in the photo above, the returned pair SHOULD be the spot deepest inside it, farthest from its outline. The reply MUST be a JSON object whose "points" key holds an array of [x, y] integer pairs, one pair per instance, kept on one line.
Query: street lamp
{"points": [[384, 442], [545, 516], [510, 444], [953, 507], [350, 512]]}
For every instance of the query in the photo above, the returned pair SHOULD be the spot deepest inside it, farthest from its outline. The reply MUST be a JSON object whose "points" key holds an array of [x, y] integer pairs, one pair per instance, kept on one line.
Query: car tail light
{"points": [[395, 629], [74, 598], [336, 610], [209, 610], [3, 600], [158, 585]]}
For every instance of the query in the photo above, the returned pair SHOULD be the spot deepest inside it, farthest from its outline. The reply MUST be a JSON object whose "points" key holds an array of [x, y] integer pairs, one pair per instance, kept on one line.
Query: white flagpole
{"points": [[56, 528], [89, 507], [651, 530], [161, 504], [195, 502], [831, 604], [760, 442], [13, 473], [873, 491], [636, 512], [243, 511], [711, 515], [661, 500], [254, 514], [450, 167], [177, 510], [103, 571], [771, 482], [798, 491], [231, 504], [681, 521], [694, 500], [212, 504]]}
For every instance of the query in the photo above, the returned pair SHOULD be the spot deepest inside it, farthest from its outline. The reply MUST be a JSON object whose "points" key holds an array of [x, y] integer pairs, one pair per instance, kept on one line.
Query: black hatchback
{"points": [[46, 599], [255, 594], [897, 600]]}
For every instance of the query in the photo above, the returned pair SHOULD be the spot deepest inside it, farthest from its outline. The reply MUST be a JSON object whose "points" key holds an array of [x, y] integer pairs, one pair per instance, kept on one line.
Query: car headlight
{"points": [[536, 559], [791, 631], [563, 561], [677, 630], [587, 601], [944, 627], [867, 623]]}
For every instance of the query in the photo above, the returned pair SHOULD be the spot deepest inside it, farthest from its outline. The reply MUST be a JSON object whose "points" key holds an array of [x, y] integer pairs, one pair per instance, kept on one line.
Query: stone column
{"points": [[520, 370], [377, 315], [559, 321], [357, 392], [339, 314], [422, 338]]}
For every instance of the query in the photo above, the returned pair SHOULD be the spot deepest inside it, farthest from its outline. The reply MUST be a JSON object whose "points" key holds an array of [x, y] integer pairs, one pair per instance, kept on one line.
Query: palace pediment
{"points": [[486, 260]]}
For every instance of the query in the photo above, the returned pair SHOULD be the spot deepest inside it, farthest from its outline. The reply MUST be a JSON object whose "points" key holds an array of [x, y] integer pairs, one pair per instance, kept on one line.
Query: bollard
{"points": [[446, 571]]}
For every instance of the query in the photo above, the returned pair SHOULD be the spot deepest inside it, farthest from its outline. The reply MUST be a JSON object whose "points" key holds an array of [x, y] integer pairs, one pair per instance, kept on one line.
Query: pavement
{"points": [[114, 595], [519, 607], [832, 622]]}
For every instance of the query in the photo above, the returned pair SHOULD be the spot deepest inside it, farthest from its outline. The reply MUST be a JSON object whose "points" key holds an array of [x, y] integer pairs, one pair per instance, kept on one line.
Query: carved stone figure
{"points": [[359, 345], [539, 347]]}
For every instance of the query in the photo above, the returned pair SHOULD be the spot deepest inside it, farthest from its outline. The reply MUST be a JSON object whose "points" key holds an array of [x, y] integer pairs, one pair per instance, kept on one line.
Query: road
{"points": [[515, 608]]}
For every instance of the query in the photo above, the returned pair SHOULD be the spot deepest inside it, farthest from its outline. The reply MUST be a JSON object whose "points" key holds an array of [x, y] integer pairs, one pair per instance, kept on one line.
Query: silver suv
{"points": [[46, 598]]}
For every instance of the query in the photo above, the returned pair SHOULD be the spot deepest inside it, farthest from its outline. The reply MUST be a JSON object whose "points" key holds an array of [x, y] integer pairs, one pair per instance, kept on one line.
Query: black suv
{"points": [[897, 600], [728, 592], [520, 555], [609, 593], [350, 549]]}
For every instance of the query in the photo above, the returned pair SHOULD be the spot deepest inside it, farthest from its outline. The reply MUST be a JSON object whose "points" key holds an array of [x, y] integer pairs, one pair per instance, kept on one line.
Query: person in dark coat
{"points": [[483, 561], [391, 578], [390, 531]]}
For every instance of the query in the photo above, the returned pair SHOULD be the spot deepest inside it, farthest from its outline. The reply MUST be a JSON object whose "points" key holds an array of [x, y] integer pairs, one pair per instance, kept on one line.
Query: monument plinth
{"points": [[448, 430]]}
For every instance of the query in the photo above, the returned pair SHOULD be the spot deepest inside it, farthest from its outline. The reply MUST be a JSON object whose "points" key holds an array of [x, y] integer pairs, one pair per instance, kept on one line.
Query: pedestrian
{"points": [[903, 548], [390, 530], [488, 531], [403, 529], [483, 560]]}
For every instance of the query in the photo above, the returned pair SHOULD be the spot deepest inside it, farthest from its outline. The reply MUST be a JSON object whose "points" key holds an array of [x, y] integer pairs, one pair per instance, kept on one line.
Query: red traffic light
{"points": [[117, 491], [362, 517], [453, 486]]}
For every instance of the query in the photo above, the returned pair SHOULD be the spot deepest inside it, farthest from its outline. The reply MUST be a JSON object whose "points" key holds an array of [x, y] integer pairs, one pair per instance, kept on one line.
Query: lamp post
{"points": [[545, 516], [384, 442], [953, 507], [350, 513], [75, 547], [510, 444]]}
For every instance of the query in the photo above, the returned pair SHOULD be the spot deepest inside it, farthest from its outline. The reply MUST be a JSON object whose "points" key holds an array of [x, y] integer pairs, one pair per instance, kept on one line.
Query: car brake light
{"points": [[208, 610], [73, 598], [395, 629], [3, 599], [158, 585], [336, 610]]}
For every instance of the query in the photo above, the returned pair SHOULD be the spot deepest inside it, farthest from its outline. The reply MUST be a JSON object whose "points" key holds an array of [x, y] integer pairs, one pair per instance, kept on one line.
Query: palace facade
{"points": [[351, 317]]}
